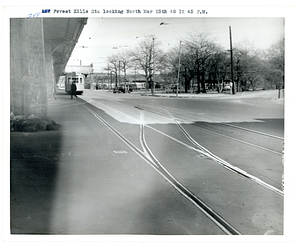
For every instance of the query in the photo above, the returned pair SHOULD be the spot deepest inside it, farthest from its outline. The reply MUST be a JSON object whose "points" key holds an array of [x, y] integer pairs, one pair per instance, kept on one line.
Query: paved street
{"points": [[208, 164]]}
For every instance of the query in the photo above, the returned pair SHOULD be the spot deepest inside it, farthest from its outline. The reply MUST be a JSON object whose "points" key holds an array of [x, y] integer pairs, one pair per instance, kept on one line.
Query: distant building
{"points": [[98, 81], [140, 84], [80, 69]]}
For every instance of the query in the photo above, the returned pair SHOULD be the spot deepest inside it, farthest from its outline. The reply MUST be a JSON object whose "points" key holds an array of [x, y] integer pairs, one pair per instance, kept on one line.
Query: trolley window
{"points": [[72, 79]]}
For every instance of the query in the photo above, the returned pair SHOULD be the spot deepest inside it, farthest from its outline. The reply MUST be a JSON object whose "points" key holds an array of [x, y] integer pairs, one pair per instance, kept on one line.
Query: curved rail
{"points": [[148, 156], [215, 158]]}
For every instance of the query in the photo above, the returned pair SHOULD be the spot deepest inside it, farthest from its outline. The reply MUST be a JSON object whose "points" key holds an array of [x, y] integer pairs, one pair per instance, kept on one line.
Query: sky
{"points": [[102, 37]]}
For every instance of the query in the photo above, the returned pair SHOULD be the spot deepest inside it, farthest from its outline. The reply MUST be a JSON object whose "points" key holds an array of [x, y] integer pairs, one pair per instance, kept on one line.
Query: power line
{"points": [[98, 28]]}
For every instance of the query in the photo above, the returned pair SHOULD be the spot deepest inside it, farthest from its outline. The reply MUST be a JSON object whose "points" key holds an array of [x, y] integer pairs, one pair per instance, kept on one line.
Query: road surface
{"points": [[132, 164]]}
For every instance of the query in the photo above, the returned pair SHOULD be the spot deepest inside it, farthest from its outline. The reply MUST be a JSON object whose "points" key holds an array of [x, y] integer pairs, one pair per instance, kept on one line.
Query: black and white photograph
{"points": [[147, 122]]}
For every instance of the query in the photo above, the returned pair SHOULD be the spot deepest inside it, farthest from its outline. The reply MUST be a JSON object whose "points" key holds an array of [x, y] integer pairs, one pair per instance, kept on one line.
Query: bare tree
{"points": [[275, 61], [188, 68], [125, 62], [200, 57], [147, 57], [220, 67], [248, 61], [172, 63], [114, 66], [201, 47]]}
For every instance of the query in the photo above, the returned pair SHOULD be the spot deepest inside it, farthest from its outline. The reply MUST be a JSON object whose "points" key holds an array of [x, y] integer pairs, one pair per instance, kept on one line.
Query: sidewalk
{"points": [[34, 164], [186, 95], [212, 94]]}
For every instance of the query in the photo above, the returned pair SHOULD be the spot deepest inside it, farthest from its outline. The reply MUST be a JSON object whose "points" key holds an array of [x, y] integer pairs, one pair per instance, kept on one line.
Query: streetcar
{"points": [[78, 79]]}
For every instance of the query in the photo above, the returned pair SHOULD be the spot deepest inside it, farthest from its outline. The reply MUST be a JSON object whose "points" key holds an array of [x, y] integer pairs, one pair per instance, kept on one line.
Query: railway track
{"points": [[147, 155], [215, 158], [178, 120]]}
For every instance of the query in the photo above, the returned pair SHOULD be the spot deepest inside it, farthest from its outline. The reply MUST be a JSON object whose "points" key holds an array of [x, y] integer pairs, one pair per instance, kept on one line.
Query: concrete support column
{"points": [[56, 77], [28, 94], [49, 70]]}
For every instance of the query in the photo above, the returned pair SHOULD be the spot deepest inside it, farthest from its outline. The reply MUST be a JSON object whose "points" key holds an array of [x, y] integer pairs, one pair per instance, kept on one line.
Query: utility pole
{"points": [[119, 73], [108, 75], [178, 69], [231, 57], [153, 82], [279, 85], [238, 74]]}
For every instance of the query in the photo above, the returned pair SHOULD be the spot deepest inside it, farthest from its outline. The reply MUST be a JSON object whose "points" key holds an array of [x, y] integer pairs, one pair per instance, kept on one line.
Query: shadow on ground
{"points": [[33, 168]]}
